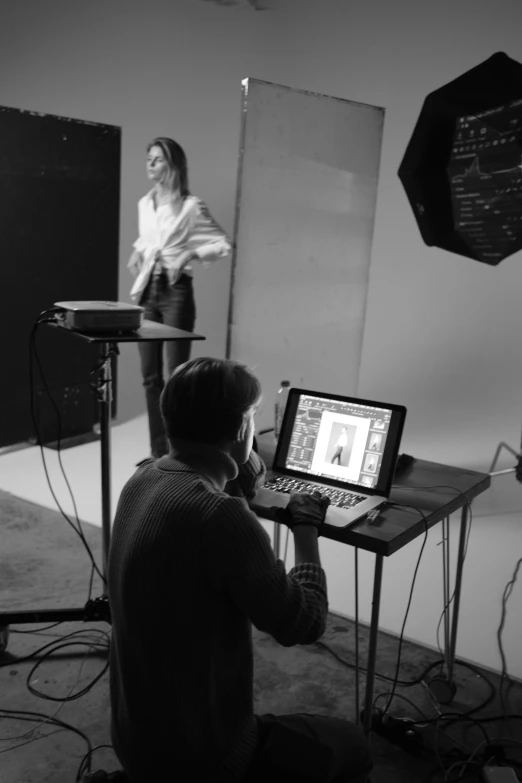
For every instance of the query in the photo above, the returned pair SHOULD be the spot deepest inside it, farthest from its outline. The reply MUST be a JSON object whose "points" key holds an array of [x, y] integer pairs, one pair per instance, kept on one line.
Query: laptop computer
{"points": [[344, 447]]}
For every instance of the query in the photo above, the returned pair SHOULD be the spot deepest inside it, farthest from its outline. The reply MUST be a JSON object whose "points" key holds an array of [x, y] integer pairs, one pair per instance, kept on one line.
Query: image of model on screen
{"points": [[175, 230], [375, 442], [371, 463], [341, 444]]}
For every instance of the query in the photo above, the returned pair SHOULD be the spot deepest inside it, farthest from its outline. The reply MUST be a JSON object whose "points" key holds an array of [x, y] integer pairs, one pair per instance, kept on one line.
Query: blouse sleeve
{"points": [[140, 245], [207, 239]]}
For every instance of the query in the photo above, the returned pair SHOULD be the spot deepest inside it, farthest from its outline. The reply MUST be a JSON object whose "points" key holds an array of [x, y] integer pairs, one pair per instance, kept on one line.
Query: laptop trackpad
{"points": [[342, 517]]}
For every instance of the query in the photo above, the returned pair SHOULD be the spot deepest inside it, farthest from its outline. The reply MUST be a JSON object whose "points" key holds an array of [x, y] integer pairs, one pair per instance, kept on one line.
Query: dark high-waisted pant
{"points": [[337, 456], [172, 305]]}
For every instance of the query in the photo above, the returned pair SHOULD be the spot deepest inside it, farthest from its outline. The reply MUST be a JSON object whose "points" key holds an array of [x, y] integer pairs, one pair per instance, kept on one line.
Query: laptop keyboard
{"points": [[338, 497]]}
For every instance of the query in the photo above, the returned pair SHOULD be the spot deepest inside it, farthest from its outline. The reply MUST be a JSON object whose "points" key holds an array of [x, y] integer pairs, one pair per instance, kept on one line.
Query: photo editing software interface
{"points": [[339, 440]]}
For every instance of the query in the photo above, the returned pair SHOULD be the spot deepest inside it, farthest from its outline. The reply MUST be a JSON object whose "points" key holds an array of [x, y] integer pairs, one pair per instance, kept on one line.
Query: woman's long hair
{"points": [[176, 160]]}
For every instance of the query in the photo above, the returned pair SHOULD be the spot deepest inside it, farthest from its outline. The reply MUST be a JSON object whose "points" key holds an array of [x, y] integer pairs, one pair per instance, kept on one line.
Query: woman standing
{"points": [[175, 229], [340, 445]]}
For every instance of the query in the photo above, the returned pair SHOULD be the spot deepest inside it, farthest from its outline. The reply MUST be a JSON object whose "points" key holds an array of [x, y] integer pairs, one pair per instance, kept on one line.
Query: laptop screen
{"points": [[341, 441]]}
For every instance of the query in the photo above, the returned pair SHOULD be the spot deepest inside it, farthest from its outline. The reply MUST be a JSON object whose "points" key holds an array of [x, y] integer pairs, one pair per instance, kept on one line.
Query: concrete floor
{"points": [[43, 564]]}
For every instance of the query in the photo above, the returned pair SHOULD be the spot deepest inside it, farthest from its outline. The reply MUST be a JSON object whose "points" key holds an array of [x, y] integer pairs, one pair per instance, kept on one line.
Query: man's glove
{"points": [[305, 509]]}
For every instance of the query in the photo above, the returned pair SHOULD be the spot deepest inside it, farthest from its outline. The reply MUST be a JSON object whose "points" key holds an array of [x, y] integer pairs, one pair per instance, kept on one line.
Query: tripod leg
{"points": [[497, 453]]}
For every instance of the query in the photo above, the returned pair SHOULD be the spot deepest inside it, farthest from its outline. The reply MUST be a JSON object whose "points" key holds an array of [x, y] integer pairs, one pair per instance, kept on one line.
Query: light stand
{"points": [[97, 609], [443, 686], [103, 391], [517, 469]]}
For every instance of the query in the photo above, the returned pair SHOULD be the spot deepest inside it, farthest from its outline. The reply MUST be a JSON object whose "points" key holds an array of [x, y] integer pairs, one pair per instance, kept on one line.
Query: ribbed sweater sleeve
{"points": [[290, 607]]}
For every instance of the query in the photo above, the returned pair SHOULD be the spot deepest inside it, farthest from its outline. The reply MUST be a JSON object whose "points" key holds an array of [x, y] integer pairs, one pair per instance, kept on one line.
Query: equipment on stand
{"points": [[461, 174], [96, 610], [461, 169]]}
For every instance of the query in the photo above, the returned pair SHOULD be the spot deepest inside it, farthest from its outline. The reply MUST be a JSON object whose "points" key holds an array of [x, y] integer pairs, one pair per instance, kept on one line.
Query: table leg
{"points": [[277, 539], [357, 709], [446, 587], [458, 585], [372, 652]]}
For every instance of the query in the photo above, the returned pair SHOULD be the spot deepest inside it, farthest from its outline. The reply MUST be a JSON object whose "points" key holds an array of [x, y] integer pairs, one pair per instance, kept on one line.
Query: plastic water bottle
{"points": [[280, 405]]}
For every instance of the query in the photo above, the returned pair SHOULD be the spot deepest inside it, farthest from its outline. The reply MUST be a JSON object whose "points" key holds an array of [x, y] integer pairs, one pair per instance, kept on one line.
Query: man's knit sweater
{"points": [[190, 568]]}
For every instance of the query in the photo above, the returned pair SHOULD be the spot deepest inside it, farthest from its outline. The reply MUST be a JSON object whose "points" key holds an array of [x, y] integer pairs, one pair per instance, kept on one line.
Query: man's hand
{"points": [[306, 509]]}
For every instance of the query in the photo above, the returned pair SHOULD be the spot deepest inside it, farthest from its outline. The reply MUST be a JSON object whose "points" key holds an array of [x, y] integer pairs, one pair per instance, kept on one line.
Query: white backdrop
{"points": [[307, 188], [442, 333]]}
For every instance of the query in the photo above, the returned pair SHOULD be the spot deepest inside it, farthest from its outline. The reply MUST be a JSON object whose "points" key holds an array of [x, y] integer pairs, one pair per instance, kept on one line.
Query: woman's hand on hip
{"points": [[177, 264], [135, 263]]}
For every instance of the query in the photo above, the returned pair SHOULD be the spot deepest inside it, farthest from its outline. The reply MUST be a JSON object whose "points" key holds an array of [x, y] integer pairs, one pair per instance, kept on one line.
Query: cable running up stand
{"points": [[97, 609]]}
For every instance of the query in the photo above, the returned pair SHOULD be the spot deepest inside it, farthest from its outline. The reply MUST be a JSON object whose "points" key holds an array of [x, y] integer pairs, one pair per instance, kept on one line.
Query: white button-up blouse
{"points": [[163, 236]]}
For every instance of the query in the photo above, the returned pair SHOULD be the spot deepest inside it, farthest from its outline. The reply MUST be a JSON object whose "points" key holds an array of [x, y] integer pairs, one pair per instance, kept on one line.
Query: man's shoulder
{"points": [[232, 509], [180, 485]]}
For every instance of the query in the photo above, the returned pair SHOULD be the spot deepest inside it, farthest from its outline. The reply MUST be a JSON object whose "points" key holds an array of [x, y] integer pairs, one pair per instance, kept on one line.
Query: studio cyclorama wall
{"points": [[441, 332]]}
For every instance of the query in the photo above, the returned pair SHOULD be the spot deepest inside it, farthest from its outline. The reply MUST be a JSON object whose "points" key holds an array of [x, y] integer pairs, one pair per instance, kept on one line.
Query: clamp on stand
{"points": [[517, 470], [96, 610]]}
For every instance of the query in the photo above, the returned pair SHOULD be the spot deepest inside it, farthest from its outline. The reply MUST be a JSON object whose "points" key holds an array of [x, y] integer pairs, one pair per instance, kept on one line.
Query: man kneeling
{"points": [[190, 569]]}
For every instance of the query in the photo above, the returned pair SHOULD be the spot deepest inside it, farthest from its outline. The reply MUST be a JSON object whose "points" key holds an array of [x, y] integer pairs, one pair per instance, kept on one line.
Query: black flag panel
{"points": [[59, 222]]}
